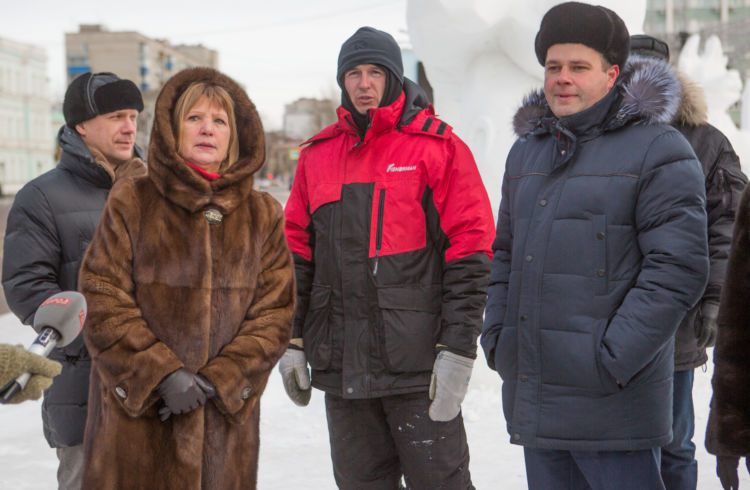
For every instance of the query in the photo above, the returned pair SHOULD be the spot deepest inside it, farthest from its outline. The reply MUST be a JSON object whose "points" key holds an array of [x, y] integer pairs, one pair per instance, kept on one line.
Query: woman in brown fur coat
{"points": [[728, 432], [190, 290]]}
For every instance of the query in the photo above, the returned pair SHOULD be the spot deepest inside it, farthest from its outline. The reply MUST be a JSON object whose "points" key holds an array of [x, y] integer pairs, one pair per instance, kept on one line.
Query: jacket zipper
{"points": [[379, 236]]}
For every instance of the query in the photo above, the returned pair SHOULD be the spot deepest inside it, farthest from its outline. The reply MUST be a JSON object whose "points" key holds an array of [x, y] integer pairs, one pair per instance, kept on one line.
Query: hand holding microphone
{"points": [[15, 360], [58, 320]]}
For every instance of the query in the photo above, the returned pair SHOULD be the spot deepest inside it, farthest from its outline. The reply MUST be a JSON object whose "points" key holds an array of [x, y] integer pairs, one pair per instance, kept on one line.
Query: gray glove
{"points": [[295, 375], [706, 324], [450, 380], [183, 392]]}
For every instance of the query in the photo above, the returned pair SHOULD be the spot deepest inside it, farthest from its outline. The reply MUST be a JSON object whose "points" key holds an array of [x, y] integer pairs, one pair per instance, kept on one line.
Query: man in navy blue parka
{"points": [[601, 249]]}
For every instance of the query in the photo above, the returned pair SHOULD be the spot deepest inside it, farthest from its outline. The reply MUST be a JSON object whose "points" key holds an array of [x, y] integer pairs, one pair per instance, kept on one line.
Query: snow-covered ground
{"points": [[294, 441]]}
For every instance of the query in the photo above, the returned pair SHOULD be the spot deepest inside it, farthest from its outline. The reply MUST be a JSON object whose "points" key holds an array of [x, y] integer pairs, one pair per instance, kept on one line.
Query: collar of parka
{"points": [[174, 179]]}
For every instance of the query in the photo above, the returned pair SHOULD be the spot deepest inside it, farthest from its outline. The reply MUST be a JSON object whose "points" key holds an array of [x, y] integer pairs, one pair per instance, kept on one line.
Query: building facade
{"points": [[305, 117], [675, 20], [147, 62], [27, 145]]}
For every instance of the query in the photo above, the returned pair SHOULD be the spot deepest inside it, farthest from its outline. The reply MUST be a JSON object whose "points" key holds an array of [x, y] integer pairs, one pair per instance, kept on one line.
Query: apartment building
{"points": [[27, 145], [147, 62]]}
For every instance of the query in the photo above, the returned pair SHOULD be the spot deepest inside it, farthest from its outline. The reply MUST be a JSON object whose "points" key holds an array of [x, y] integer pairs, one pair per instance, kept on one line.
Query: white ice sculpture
{"points": [[479, 57], [722, 88]]}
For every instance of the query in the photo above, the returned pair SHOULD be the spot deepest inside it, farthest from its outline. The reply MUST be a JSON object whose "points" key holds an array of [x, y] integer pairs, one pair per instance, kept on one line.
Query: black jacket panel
{"points": [[724, 184]]}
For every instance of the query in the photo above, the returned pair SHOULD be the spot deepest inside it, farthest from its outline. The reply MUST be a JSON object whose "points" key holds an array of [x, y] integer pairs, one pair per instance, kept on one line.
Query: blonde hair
{"points": [[218, 95]]}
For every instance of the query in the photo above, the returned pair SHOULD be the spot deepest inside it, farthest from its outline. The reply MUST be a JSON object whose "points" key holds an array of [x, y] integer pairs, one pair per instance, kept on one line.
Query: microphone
{"points": [[58, 320]]}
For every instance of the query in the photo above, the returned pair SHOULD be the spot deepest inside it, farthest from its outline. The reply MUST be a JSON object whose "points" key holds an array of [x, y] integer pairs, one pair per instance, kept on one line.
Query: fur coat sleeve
{"points": [[728, 431], [133, 361]]}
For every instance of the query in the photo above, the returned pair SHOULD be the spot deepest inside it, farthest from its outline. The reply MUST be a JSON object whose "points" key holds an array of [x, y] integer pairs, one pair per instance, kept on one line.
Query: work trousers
{"points": [[374, 442]]}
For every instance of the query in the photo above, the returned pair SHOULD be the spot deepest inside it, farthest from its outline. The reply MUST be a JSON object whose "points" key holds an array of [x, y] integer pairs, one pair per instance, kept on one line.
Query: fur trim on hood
{"points": [[649, 92], [693, 107], [169, 172]]}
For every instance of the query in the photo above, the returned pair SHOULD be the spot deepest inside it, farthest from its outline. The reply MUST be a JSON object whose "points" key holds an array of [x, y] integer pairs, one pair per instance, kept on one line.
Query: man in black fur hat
{"points": [[50, 224], [390, 227], [600, 251]]}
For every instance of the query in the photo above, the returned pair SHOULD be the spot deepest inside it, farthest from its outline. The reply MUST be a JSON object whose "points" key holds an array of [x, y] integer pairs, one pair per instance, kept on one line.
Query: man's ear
{"points": [[81, 128], [612, 73]]}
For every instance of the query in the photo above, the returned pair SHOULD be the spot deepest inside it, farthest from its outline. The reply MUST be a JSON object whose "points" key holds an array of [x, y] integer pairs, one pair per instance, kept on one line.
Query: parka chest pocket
{"points": [[599, 225], [398, 223], [317, 329]]}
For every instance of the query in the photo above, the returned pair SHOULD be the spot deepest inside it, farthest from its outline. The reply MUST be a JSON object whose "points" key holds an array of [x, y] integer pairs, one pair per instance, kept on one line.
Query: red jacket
{"points": [[391, 236]]}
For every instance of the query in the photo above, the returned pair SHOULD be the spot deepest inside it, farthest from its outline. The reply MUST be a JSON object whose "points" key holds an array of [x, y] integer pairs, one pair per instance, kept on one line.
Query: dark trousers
{"points": [[679, 469], [548, 469], [376, 441]]}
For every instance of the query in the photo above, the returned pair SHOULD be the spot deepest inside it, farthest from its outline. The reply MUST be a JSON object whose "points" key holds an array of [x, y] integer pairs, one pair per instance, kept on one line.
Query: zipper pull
{"points": [[375, 269]]}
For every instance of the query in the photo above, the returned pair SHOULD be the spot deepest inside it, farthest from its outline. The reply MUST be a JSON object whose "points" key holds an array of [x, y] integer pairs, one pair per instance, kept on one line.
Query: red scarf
{"points": [[206, 175]]}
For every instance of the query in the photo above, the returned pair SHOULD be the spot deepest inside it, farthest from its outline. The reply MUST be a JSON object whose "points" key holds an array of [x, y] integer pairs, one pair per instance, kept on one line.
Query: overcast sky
{"points": [[279, 49]]}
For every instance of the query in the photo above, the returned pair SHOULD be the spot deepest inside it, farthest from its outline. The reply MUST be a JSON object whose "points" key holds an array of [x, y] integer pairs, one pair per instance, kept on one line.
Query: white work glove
{"points": [[450, 380], [295, 375]]}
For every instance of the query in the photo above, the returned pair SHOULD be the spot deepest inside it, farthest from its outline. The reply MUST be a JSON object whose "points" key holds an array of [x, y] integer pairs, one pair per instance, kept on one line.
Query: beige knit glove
{"points": [[15, 360]]}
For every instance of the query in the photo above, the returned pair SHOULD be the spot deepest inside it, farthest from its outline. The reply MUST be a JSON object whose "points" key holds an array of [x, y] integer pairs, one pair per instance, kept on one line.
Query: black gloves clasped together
{"points": [[183, 392]]}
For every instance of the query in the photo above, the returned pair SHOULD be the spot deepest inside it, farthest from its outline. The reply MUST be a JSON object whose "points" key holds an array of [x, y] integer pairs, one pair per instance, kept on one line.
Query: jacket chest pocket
{"points": [[599, 225], [398, 222]]}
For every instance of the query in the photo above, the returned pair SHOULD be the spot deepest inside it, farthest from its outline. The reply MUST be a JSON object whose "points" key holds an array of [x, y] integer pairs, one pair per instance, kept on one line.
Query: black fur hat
{"points": [[93, 94], [370, 46], [580, 23]]}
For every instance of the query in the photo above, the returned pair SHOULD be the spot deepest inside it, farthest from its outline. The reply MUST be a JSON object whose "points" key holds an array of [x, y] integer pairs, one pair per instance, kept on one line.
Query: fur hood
{"points": [[178, 182], [649, 92], [693, 108]]}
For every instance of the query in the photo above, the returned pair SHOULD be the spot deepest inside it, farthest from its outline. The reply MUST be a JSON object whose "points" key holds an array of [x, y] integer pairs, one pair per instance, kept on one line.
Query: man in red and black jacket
{"points": [[391, 231]]}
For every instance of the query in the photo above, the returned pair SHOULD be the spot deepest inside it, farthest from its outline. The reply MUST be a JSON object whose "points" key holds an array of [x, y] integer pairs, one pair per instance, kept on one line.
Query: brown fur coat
{"points": [[168, 289], [728, 430]]}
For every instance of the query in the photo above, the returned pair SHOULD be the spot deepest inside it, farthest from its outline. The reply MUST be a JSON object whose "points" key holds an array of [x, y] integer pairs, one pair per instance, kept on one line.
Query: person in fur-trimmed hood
{"points": [[724, 184], [190, 289], [600, 251]]}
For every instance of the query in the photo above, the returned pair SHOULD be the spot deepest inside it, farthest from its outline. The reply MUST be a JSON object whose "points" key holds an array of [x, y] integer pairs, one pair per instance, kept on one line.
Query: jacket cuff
{"points": [[296, 344], [488, 342], [454, 338]]}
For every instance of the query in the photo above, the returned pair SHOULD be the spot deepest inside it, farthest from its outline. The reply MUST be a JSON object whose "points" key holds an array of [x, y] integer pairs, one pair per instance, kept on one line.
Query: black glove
{"points": [[183, 392], [706, 324], [726, 468]]}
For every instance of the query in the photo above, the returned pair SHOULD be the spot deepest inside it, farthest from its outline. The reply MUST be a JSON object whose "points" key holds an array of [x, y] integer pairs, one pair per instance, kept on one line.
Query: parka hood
{"points": [[648, 90], [169, 172], [415, 100], [693, 110]]}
